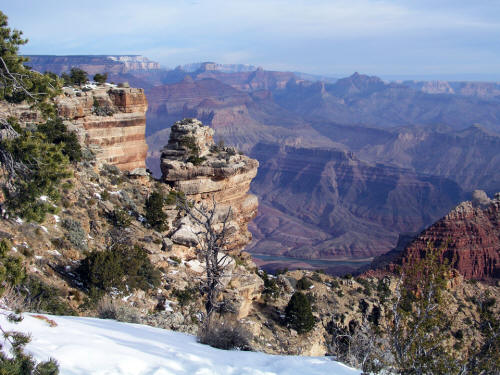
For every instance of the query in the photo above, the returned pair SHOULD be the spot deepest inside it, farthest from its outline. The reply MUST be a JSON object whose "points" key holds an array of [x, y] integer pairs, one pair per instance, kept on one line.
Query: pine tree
{"points": [[154, 211], [298, 313]]}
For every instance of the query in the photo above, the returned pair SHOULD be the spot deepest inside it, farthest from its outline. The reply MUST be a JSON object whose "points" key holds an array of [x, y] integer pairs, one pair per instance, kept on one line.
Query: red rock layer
{"points": [[471, 236]]}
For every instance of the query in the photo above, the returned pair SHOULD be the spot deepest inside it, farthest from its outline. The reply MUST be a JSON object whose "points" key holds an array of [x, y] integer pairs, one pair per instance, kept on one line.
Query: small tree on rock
{"points": [[154, 211], [101, 78], [298, 313], [78, 76]]}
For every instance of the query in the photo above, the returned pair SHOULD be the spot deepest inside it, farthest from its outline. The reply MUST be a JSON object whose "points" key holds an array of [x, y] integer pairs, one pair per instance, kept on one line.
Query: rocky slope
{"points": [[110, 120]]}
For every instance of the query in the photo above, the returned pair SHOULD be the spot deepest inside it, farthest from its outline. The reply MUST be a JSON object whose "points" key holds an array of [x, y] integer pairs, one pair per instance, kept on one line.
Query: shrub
{"points": [[271, 288], [304, 283], [225, 336], [120, 218], [75, 233], [154, 211], [120, 267], [41, 297], [184, 296], [109, 308], [298, 313], [173, 196]]}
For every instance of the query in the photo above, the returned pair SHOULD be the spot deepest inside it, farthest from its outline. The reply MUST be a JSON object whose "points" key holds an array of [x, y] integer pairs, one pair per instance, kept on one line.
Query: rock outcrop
{"points": [[470, 235], [110, 120], [203, 171]]}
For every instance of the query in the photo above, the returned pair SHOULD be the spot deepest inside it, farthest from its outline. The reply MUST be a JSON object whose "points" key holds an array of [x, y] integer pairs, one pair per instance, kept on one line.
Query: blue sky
{"points": [[392, 38]]}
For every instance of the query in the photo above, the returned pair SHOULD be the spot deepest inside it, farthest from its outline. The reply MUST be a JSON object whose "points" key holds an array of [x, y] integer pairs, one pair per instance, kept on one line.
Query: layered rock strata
{"points": [[469, 236], [111, 120], [203, 171]]}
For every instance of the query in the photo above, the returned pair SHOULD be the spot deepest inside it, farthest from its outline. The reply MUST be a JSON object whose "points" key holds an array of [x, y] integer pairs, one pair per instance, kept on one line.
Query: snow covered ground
{"points": [[96, 346]]}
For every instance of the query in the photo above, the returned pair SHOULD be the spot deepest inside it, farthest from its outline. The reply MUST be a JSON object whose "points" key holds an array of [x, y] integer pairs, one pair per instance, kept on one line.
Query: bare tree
{"points": [[212, 240]]}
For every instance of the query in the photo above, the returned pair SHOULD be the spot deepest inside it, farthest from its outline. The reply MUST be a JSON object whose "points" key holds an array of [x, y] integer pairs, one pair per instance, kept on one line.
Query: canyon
{"points": [[429, 143]]}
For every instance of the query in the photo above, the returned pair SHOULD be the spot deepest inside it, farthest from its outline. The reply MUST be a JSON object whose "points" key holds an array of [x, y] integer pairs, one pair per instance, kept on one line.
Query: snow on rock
{"points": [[96, 346]]}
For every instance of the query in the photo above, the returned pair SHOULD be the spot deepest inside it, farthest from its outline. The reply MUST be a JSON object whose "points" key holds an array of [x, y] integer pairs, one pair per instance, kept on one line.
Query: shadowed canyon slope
{"points": [[333, 205]]}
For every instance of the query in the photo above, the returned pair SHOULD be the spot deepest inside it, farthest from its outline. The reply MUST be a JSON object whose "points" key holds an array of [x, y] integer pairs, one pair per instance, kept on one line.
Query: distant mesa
{"points": [[92, 64]]}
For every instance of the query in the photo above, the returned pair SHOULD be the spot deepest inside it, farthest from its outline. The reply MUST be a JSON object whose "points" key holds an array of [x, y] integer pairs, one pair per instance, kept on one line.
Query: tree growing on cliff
{"points": [[154, 211], [101, 78], [78, 76], [213, 238], [419, 325]]}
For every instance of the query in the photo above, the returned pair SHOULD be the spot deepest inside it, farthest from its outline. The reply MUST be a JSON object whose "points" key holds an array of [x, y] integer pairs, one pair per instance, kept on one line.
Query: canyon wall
{"points": [[111, 121]]}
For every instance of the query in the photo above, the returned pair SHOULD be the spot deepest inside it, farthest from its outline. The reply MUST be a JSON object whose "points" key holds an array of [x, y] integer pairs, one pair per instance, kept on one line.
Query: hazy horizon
{"points": [[451, 40]]}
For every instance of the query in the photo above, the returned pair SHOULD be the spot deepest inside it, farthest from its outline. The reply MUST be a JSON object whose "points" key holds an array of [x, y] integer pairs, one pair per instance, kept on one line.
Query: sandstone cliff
{"points": [[194, 165], [110, 120]]}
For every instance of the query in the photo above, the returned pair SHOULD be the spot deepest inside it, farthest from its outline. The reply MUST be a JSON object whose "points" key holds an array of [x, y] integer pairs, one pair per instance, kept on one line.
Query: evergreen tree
{"points": [[78, 76], [154, 211], [419, 325], [298, 313], [101, 78]]}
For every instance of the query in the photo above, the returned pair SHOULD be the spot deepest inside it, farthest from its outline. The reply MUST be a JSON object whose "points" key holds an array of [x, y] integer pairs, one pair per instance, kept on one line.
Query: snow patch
{"points": [[112, 347]]}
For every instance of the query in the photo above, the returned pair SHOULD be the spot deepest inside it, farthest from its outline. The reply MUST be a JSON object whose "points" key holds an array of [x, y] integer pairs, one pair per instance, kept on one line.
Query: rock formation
{"points": [[194, 165], [111, 120], [470, 235]]}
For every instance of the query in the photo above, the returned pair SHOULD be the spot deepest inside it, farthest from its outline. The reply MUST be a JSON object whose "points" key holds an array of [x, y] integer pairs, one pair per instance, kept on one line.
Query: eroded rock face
{"points": [[471, 233], [193, 164], [111, 120]]}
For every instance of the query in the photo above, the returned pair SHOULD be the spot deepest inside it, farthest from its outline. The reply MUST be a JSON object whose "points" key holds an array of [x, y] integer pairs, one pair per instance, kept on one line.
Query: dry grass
{"points": [[45, 319], [13, 300], [109, 308]]}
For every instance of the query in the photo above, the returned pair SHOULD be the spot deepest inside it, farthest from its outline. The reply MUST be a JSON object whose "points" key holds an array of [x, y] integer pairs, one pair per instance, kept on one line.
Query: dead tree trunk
{"points": [[212, 239]]}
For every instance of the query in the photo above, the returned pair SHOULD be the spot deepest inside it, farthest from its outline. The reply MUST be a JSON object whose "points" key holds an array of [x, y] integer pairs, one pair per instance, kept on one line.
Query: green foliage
{"points": [[101, 78], [11, 268], [120, 267], [304, 283], [298, 313], [271, 288], [189, 143], [46, 166], [154, 211], [184, 296], [196, 160], [45, 298], [174, 196], [17, 81], [120, 218], [78, 76], [57, 133], [420, 324]]}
